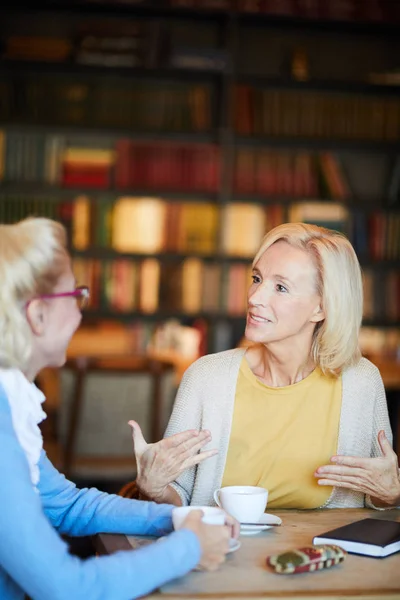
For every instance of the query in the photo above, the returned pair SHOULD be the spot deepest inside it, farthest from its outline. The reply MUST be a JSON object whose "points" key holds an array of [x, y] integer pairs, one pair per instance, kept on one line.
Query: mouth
{"points": [[258, 318]]}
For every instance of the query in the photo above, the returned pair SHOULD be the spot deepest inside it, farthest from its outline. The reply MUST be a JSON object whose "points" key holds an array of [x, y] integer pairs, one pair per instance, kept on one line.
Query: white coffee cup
{"points": [[244, 502], [212, 515]]}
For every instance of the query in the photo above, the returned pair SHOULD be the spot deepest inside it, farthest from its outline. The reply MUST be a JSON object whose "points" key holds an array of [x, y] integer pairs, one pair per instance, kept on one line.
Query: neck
{"points": [[278, 367], [31, 370]]}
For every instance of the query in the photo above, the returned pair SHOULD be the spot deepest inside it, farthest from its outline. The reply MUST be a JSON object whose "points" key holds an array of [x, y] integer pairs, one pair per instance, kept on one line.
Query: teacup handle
{"points": [[216, 497]]}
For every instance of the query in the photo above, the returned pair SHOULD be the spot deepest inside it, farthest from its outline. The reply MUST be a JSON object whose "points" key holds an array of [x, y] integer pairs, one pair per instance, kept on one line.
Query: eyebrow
{"points": [[277, 276]]}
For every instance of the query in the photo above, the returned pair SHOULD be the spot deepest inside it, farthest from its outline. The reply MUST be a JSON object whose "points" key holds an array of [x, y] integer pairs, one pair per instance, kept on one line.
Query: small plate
{"points": [[233, 545], [267, 521]]}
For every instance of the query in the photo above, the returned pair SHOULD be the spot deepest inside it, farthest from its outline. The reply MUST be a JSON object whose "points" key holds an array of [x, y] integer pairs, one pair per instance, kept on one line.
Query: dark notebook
{"points": [[372, 537]]}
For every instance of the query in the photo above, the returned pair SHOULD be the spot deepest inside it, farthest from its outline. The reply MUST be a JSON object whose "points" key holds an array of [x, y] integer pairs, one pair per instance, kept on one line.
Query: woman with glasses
{"points": [[39, 312]]}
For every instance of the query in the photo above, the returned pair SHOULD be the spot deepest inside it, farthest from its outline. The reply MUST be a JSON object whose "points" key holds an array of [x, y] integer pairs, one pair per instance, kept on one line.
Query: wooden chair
{"points": [[83, 366]]}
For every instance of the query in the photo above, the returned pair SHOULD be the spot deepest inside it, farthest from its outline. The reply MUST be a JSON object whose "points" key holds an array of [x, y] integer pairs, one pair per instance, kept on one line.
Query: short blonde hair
{"points": [[33, 256], [335, 343]]}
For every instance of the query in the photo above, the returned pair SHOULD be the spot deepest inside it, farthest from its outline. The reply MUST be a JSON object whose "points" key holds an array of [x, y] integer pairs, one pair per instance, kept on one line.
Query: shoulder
{"points": [[364, 368], [216, 364], [363, 374]]}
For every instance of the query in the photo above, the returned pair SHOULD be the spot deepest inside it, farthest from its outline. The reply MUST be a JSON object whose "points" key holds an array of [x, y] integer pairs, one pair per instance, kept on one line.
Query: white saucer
{"points": [[266, 522], [233, 545]]}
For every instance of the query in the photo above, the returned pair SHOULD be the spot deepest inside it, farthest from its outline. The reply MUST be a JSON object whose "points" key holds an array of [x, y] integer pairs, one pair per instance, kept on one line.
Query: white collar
{"points": [[25, 401]]}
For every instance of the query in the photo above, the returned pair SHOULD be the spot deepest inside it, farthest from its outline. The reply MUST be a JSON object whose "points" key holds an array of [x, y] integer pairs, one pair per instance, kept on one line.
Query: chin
{"points": [[257, 336], [58, 361]]}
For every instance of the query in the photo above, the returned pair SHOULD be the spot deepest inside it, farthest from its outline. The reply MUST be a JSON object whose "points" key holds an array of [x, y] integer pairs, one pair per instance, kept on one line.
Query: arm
{"points": [[34, 556], [163, 467], [185, 415], [382, 423], [84, 512], [376, 475]]}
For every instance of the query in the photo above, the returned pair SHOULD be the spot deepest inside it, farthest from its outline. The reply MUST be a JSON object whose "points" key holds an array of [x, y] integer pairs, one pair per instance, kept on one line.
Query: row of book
{"points": [[159, 106], [151, 225], [376, 236], [194, 287], [60, 161], [382, 295], [271, 112], [108, 43], [267, 172], [149, 286], [135, 225]]}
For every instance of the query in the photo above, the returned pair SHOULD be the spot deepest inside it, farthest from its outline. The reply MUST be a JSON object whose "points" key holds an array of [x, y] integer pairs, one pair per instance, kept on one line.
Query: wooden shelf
{"points": [[113, 133], [121, 9], [211, 317], [345, 87], [55, 192], [110, 254], [360, 146], [57, 68], [105, 314]]}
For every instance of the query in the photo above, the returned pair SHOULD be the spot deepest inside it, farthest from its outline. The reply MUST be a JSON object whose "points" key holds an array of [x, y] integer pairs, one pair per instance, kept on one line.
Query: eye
{"points": [[281, 288], [256, 279]]}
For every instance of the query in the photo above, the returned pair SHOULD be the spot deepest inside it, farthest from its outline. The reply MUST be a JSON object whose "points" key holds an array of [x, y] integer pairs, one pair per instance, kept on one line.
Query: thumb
{"points": [[384, 444], [140, 444], [195, 515]]}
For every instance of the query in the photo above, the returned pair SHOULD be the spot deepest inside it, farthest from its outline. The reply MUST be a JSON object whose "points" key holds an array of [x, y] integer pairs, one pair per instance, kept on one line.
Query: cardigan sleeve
{"points": [[380, 421], [186, 414], [34, 556], [80, 512]]}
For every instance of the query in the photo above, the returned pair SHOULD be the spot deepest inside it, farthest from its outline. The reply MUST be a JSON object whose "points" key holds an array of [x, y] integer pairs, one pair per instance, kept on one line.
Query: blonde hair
{"points": [[339, 283], [33, 256]]}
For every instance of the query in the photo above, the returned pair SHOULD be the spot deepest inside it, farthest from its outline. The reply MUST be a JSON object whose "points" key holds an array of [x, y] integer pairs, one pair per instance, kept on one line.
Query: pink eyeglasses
{"points": [[81, 293]]}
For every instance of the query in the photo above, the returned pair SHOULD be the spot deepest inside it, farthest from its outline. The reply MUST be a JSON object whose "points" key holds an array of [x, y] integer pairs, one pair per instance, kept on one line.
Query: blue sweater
{"points": [[35, 560]]}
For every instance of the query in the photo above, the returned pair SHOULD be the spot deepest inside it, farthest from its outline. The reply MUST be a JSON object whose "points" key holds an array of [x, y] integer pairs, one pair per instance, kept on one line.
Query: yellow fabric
{"points": [[281, 435]]}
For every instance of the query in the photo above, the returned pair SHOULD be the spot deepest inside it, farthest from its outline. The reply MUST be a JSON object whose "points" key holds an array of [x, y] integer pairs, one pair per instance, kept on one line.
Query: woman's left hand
{"points": [[378, 477]]}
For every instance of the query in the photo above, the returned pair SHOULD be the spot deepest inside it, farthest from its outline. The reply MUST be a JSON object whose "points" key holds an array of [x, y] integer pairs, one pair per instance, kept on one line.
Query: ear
{"points": [[36, 316], [318, 315]]}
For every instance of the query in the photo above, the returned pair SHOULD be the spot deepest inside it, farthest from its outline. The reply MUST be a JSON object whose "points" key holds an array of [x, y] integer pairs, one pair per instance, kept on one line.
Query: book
{"points": [[370, 537]]}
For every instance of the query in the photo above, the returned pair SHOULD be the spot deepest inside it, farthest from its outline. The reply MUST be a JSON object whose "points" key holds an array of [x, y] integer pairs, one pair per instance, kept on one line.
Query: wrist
{"points": [[148, 491]]}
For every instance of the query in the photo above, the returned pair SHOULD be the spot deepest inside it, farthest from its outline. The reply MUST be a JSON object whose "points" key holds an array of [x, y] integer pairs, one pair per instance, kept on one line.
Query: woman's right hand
{"points": [[214, 540], [159, 464]]}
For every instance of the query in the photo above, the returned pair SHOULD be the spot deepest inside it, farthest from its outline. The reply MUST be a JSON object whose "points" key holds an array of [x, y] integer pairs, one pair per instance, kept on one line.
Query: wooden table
{"points": [[245, 574]]}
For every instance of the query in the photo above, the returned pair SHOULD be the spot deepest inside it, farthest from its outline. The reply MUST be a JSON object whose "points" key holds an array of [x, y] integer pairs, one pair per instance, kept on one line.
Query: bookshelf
{"points": [[168, 136]]}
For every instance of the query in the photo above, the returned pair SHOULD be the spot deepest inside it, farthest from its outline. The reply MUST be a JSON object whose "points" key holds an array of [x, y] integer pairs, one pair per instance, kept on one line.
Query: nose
{"points": [[260, 295]]}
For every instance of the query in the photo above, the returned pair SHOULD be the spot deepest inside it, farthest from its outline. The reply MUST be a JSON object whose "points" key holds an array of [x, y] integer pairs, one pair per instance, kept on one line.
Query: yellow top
{"points": [[281, 435]]}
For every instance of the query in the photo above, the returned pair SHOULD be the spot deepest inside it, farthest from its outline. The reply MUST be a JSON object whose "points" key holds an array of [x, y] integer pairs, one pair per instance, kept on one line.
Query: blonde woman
{"points": [[299, 411], [39, 312]]}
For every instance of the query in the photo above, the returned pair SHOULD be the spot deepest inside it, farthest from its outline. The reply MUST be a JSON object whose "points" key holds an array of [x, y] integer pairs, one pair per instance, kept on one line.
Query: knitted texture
{"points": [[205, 400]]}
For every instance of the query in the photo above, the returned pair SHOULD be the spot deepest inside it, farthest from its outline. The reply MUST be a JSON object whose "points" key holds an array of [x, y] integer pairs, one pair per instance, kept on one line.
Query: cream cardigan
{"points": [[205, 400]]}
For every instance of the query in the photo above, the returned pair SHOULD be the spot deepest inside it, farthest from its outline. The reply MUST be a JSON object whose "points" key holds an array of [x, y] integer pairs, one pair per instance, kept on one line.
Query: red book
{"points": [[91, 178], [123, 164]]}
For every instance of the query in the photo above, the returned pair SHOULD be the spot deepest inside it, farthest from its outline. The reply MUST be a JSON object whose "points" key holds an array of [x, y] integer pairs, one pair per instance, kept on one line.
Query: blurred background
{"points": [[169, 136]]}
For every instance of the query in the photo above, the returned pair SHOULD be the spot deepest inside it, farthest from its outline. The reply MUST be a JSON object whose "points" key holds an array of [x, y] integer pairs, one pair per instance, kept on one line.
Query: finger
{"points": [[198, 458], [199, 441], [189, 448], [140, 444], [384, 444], [234, 526], [343, 484], [338, 480], [339, 470], [195, 515], [179, 438], [352, 461]]}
